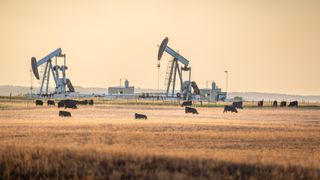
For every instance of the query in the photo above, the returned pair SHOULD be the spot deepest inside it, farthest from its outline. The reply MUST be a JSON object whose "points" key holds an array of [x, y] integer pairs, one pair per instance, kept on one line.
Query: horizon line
{"points": [[280, 93]]}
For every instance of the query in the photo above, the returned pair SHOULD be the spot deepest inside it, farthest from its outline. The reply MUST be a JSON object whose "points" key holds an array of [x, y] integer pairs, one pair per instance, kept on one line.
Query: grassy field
{"points": [[104, 141]]}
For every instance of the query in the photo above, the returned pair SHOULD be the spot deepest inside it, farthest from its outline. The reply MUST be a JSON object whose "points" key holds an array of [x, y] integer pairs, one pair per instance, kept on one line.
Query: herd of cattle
{"points": [[282, 104], [67, 103], [72, 104], [239, 105]]}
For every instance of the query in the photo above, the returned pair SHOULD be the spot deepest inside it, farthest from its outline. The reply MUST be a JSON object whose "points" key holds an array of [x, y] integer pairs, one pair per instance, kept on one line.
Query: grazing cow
{"points": [[260, 103], [186, 103], [61, 104], [51, 103], [191, 110], [230, 108], [275, 104], [39, 103], [283, 104], [90, 102], [238, 104], [72, 104], [64, 114], [140, 116], [293, 104], [68, 103]]}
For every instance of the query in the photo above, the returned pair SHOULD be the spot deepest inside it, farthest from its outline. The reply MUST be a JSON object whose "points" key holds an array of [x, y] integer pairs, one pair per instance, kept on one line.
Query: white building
{"points": [[213, 95], [121, 90]]}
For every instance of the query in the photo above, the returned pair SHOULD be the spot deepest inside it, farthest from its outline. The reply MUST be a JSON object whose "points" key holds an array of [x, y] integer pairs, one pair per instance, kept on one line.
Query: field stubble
{"points": [[106, 140]]}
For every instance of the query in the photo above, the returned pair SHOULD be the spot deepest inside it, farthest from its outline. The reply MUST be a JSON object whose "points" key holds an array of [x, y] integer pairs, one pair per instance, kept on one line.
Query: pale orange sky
{"points": [[266, 45]]}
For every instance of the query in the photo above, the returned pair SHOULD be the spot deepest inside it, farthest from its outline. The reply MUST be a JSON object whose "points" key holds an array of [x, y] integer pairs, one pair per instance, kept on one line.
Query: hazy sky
{"points": [[266, 45]]}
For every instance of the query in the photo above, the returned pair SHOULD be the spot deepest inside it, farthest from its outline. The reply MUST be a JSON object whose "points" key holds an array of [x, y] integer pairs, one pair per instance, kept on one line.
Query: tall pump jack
{"points": [[60, 82], [174, 69]]}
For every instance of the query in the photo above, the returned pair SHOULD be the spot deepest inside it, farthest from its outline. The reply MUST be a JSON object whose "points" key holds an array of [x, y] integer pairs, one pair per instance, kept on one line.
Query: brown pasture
{"points": [[105, 141]]}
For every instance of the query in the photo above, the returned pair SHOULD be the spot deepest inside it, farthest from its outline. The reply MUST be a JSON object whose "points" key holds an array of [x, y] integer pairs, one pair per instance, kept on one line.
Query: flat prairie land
{"points": [[106, 142]]}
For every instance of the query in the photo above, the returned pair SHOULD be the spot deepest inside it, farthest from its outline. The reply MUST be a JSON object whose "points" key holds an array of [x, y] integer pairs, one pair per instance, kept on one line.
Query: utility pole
{"points": [[226, 80]]}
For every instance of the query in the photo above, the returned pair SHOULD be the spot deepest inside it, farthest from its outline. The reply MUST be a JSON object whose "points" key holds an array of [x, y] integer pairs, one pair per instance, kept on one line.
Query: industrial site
{"points": [[159, 90], [52, 67]]}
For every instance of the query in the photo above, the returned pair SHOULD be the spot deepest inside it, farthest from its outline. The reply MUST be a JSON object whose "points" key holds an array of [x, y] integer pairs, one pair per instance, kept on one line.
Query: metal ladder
{"points": [[168, 72]]}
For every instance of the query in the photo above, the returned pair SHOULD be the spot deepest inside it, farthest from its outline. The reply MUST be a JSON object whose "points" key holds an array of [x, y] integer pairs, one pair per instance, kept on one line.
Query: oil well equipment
{"points": [[173, 69], [50, 64]]}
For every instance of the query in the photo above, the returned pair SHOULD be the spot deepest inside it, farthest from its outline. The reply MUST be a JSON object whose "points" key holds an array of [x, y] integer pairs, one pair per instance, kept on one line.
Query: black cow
{"points": [[64, 114], [186, 103], [293, 104], [61, 104], [51, 103], [140, 116], [72, 104], [238, 104], [68, 103], [275, 104], [283, 103], [230, 108], [90, 102], [260, 103], [39, 103], [191, 110]]}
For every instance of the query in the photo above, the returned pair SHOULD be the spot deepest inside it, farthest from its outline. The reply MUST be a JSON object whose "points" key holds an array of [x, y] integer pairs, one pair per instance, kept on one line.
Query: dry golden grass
{"points": [[105, 141]]}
